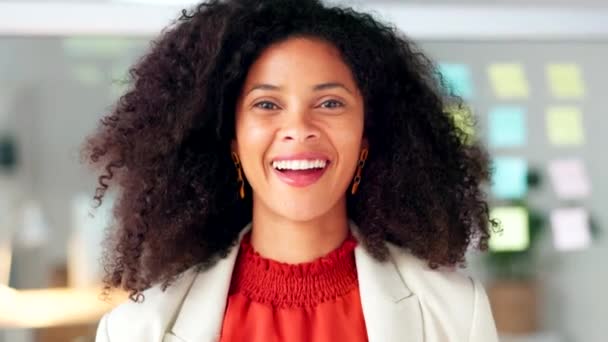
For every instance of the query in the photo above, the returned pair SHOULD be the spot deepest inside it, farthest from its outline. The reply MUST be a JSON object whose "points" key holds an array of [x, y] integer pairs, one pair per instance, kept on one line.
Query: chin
{"points": [[303, 214], [302, 211]]}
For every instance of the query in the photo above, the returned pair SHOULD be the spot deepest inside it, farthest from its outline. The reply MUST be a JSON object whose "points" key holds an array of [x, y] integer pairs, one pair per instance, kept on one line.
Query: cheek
{"points": [[349, 152], [249, 136], [348, 140], [253, 139]]}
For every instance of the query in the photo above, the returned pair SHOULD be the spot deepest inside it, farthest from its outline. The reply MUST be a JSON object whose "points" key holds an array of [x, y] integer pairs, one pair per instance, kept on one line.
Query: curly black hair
{"points": [[165, 145]]}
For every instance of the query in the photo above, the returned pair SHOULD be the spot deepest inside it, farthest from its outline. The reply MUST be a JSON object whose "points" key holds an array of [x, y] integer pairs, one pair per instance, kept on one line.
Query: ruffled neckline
{"points": [[282, 284]]}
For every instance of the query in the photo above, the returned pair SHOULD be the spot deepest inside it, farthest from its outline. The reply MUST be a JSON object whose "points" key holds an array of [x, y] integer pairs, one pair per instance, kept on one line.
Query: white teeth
{"points": [[299, 164]]}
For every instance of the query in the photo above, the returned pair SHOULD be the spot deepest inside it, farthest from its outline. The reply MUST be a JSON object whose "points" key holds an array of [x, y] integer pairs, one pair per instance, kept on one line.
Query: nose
{"points": [[300, 128]]}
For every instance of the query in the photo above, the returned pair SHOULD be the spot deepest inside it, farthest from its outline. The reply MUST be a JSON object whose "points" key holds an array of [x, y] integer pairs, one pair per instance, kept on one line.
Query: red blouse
{"points": [[316, 301]]}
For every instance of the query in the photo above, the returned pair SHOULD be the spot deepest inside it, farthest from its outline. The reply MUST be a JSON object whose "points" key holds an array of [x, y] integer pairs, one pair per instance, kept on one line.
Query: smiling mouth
{"points": [[299, 165], [300, 173]]}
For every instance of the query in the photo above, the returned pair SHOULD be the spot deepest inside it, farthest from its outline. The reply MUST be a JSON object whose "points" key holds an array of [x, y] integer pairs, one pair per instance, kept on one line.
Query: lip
{"points": [[302, 155], [301, 179]]}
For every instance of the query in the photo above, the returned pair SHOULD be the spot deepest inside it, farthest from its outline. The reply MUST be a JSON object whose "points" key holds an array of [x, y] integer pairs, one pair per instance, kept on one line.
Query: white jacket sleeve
{"points": [[483, 328], [102, 330]]}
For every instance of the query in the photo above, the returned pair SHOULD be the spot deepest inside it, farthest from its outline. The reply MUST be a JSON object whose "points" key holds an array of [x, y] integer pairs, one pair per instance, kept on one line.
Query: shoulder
{"points": [[147, 320], [418, 275], [447, 297]]}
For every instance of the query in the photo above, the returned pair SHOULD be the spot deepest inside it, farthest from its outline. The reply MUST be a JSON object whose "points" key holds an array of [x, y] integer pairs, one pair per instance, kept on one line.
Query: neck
{"points": [[282, 239]]}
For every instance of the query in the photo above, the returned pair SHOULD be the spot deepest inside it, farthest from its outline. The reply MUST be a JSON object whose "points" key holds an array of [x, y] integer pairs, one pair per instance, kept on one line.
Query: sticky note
{"points": [[507, 126], [565, 80], [571, 230], [565, 126], [508, 81], [569, 178], [458, 79], [515, 234], [463, 119], [509, 177]]}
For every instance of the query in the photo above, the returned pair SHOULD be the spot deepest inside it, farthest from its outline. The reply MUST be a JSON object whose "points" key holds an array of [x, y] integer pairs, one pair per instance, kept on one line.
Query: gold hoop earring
{"points": [[362, 159], [239, 174]]}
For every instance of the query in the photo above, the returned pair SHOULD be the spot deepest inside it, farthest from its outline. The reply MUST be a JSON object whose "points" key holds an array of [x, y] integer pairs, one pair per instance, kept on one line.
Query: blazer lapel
{"points": [[202, 313], [391, 311]]}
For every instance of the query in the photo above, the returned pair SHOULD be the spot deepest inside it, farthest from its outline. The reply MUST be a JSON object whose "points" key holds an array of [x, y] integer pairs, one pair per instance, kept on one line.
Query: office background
{"points": [[532, 73]]}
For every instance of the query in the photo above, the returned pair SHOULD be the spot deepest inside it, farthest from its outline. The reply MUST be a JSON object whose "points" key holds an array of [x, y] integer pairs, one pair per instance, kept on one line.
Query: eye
{"points": [[266, 105], [332, 104]]}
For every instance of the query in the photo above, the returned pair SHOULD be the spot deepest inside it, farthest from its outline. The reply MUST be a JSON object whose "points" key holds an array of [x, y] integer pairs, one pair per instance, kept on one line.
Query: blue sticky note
{"points": [[507, 126], [458, 78], [509, 177]]}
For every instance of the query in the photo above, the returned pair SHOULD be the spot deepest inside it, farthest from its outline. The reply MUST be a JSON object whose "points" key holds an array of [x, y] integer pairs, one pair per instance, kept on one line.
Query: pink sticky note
{"points": [[569, 178], [571, 229]]}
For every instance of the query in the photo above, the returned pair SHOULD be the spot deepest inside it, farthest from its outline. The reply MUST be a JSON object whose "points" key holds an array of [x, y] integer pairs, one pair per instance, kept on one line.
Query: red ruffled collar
{"points": [[287, 285]]}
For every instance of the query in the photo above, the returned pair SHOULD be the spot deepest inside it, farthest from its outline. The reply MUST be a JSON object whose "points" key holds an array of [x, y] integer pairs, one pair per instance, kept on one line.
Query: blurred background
{"points": [[532, 72]]}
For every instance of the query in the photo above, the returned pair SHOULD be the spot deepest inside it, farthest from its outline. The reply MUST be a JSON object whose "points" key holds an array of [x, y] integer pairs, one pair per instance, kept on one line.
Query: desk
{"points": [[53, 307]]}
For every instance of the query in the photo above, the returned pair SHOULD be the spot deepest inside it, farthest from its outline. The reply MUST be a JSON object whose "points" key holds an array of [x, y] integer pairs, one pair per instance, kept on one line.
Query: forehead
{"points": [[302, 60]]}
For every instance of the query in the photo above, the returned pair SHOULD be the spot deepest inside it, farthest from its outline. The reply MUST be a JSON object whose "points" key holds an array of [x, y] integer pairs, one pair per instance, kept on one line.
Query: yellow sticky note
{"points": [[508, 80], [515, 234], [565, 126], [463, 119], [565, 80]]}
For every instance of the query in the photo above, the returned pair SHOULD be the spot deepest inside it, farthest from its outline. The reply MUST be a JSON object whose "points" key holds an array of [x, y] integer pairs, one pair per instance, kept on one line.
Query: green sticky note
{"points": [[565, 80], [564, 126], [463, 119], [508, 81], [509, 177], [458, 78], [507, 126], [515, 234]]}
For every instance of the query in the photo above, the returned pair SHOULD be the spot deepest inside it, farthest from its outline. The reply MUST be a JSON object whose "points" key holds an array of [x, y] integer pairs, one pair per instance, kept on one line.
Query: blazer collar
{"points": [[202, 313], [391, 311]]}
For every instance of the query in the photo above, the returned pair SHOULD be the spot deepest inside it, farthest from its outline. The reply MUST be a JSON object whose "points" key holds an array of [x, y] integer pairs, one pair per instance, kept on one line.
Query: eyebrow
{"points": [[318, 87], [330, 85]]}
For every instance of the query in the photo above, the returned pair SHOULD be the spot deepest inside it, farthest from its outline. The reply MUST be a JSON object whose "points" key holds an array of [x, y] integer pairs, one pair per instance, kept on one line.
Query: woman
{"points": [[287, 172]]}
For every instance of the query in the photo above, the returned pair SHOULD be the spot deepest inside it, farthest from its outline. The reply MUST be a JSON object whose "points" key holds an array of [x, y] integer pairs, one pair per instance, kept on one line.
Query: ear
{"points": [[364, 143]]}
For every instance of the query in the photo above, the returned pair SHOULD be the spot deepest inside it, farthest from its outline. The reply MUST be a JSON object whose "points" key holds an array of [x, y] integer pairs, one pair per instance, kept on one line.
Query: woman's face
{"points": [[299, 129]]}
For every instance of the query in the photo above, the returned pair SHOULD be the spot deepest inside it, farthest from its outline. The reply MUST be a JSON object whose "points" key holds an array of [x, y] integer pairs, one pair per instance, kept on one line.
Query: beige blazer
{"points": [[402, 300]]}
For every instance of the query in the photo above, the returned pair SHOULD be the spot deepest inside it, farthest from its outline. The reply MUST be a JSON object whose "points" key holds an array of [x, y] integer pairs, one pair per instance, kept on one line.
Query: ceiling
{"points": [[425, 19], [575, 3]]}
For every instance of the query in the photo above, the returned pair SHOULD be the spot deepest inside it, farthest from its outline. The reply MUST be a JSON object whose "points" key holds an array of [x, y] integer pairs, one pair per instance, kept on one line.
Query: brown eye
{"points": [[332, 104], [266, 105]]}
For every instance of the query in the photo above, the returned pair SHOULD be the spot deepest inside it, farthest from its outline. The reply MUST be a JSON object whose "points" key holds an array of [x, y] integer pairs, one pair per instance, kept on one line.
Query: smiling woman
{"points": [[308, 113], [293, 177]]}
